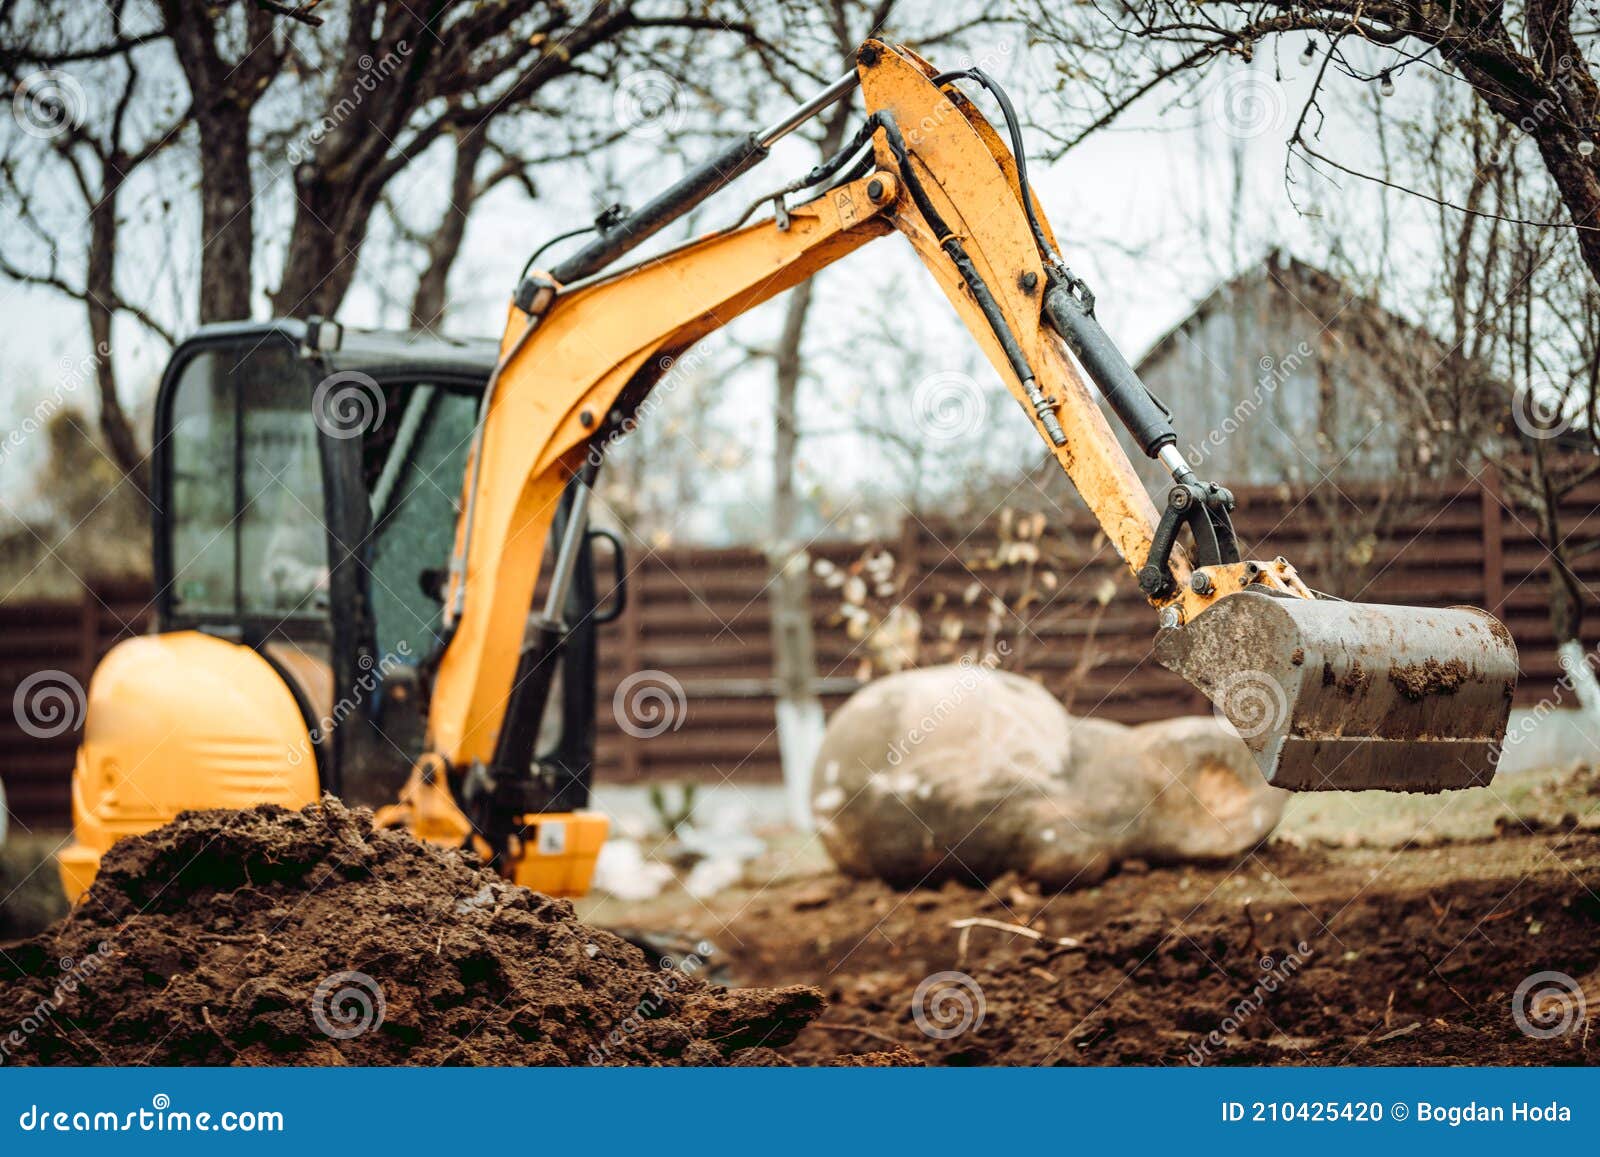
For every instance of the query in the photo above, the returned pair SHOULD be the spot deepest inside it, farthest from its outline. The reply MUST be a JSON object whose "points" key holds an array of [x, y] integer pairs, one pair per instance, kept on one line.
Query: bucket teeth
{"points": [[1336, 696]]}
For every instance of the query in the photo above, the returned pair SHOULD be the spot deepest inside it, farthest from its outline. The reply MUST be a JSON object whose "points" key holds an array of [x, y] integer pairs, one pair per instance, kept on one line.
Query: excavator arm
{"points": [[1328, 694]]}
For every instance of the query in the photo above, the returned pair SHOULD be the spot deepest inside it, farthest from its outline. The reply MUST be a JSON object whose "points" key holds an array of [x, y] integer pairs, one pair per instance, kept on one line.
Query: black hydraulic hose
{"points": [[860, 169], [1018, 152], [825, 169], [1053, 261], [1069, 305], [1043, 408], [822, 171], [556, 240]]}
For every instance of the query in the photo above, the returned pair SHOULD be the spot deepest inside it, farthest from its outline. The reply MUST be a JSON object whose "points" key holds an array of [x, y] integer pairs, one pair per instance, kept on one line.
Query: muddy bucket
{"points": [[1336, 696]]}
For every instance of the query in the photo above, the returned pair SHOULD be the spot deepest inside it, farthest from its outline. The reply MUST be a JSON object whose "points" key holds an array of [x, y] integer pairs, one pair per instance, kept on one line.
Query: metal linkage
{"points": [[1204, 508], [510, 786]]}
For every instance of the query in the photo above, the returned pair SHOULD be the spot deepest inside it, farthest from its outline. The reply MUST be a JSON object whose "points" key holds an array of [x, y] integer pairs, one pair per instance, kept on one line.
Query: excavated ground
{"points": [[1301, 958], [1419, 917], [273, 937]]}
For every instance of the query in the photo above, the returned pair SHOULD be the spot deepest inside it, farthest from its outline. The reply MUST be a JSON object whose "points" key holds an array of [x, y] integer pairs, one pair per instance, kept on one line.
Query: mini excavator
{"points": [[377, 577]]}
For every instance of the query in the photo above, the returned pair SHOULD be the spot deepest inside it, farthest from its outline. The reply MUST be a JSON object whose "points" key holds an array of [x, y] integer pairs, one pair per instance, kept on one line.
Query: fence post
{"points": [[1492, 506], [911, 571], [88, 635], [631, 627]]}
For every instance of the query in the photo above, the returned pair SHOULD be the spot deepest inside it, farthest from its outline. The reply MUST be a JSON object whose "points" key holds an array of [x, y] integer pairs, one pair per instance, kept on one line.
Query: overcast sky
{"points": [[1145, 211]]}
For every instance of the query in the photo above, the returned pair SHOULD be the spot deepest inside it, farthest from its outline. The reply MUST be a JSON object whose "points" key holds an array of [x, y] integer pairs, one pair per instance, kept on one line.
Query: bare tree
{"points": [[345, 104], [1528, 63], [442, 245], [1518, 389], [63, 147], [343, 100], [1511, 391]]}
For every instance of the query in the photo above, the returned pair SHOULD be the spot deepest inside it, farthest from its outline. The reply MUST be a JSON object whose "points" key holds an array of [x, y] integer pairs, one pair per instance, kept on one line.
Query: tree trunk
{"points": [[100, 285], [1578, 180], [227, 225], [325, 242], [223, 94], [799, 710], [429, 302], [1560, 83]]}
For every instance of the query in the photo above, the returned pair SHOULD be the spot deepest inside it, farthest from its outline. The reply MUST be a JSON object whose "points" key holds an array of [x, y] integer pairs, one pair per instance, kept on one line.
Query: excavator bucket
{"points": [[1337, 696]]}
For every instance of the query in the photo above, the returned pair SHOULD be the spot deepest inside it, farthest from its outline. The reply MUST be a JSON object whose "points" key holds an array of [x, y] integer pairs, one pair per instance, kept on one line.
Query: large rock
{"points": [[962, 772]]}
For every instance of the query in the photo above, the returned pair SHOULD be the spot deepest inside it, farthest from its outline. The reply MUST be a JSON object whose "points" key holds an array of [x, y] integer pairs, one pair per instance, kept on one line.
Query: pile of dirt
{"points": [[274, 937]]}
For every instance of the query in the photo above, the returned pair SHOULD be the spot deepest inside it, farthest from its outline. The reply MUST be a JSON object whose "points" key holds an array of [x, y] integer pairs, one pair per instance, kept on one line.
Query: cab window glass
{"points": [[283, 543], [245, 515], [202, 493], [415, 497]]}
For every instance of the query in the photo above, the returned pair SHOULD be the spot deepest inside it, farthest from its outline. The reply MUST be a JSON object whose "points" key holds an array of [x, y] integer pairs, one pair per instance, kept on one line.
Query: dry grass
{"points": [[1556, 797]]}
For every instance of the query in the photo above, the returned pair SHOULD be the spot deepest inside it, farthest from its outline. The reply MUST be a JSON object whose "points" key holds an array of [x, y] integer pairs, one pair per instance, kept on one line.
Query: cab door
{"points": [[244, 530]]}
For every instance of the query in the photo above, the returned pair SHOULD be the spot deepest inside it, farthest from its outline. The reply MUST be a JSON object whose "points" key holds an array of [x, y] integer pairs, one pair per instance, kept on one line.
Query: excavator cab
{"points": [[306, 483]]}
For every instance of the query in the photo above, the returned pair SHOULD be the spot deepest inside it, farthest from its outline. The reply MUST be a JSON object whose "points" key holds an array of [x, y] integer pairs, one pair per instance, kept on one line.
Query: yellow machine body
{"points": [[180, 722], [184, 721], [558, 852]]}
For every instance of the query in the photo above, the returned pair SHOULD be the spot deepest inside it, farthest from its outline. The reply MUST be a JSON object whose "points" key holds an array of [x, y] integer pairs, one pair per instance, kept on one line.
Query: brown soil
{"points": [[1300, 956], [220, 928], [206, 941], [1416, 681]]}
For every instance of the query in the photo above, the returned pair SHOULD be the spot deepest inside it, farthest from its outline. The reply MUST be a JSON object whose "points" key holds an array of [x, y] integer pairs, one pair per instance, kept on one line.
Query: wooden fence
{"points": [[55, 645], [1044, 591]]}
